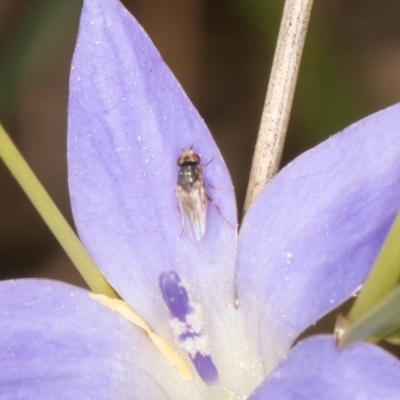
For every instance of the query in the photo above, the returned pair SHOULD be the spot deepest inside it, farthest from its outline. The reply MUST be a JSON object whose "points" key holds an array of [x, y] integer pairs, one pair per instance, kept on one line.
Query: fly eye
{"points": [[196, 158]]}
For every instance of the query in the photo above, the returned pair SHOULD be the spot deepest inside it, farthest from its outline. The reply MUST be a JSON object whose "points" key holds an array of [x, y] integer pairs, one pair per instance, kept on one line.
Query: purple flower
{"points": [[305, 246]]}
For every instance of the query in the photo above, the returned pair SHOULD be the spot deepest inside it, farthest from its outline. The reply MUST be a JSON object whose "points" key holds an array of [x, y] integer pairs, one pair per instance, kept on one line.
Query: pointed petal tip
{"points": [[128, 120]]}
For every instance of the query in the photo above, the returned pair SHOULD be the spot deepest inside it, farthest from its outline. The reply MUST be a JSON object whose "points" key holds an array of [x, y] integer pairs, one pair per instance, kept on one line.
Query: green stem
{"points": [[384, 275], [52, 216], [381, 322]]}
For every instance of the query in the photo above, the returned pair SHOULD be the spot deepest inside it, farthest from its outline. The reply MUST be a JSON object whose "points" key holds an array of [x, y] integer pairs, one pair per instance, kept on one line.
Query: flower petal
{"points": [[128, 120], [316, 370], [58, 343], [311, 237]]}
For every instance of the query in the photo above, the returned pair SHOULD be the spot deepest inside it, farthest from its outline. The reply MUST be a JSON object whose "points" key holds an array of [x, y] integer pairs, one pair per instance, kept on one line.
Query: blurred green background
{"points": [[221, 51]]}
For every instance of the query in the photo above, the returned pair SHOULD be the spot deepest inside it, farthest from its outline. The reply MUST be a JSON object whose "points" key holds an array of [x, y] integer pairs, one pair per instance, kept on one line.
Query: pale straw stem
{"points": [[279, 99]]}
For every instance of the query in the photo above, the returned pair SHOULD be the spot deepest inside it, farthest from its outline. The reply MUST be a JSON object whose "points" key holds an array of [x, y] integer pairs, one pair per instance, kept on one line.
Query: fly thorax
{"points": [[188, 174]]}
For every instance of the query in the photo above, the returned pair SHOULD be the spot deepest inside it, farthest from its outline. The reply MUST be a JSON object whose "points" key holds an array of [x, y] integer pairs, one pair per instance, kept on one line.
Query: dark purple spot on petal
{"points": [[205, 368], [187, 335], [175, 295], [187, 325]]}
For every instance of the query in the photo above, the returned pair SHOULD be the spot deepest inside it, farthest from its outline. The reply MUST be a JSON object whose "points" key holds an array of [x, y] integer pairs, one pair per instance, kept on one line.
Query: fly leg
{"points": [[218, 188], [205, 165], [207, 184], [219, 211]]}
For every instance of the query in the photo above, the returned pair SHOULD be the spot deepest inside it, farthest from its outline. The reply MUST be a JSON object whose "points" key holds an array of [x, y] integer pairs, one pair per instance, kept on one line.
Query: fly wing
{"points": [[192, 206]]}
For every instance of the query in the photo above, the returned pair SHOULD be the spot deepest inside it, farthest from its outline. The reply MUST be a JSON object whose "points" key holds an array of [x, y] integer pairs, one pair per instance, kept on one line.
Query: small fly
{"points": [[192, 198]]}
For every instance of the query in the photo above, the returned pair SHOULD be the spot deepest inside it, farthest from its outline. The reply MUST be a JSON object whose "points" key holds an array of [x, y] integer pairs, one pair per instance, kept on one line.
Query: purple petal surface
{"points": [[58, 343], [316, 370], [311, 237], [128, 120]]}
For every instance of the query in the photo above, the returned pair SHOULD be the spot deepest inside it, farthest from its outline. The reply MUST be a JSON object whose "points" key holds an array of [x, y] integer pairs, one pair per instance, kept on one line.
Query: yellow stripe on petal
{"points": [[166, 349]]}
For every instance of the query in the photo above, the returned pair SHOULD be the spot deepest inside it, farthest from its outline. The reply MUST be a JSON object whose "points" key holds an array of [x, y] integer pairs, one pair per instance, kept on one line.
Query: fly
{"points": [[192, 199]]}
